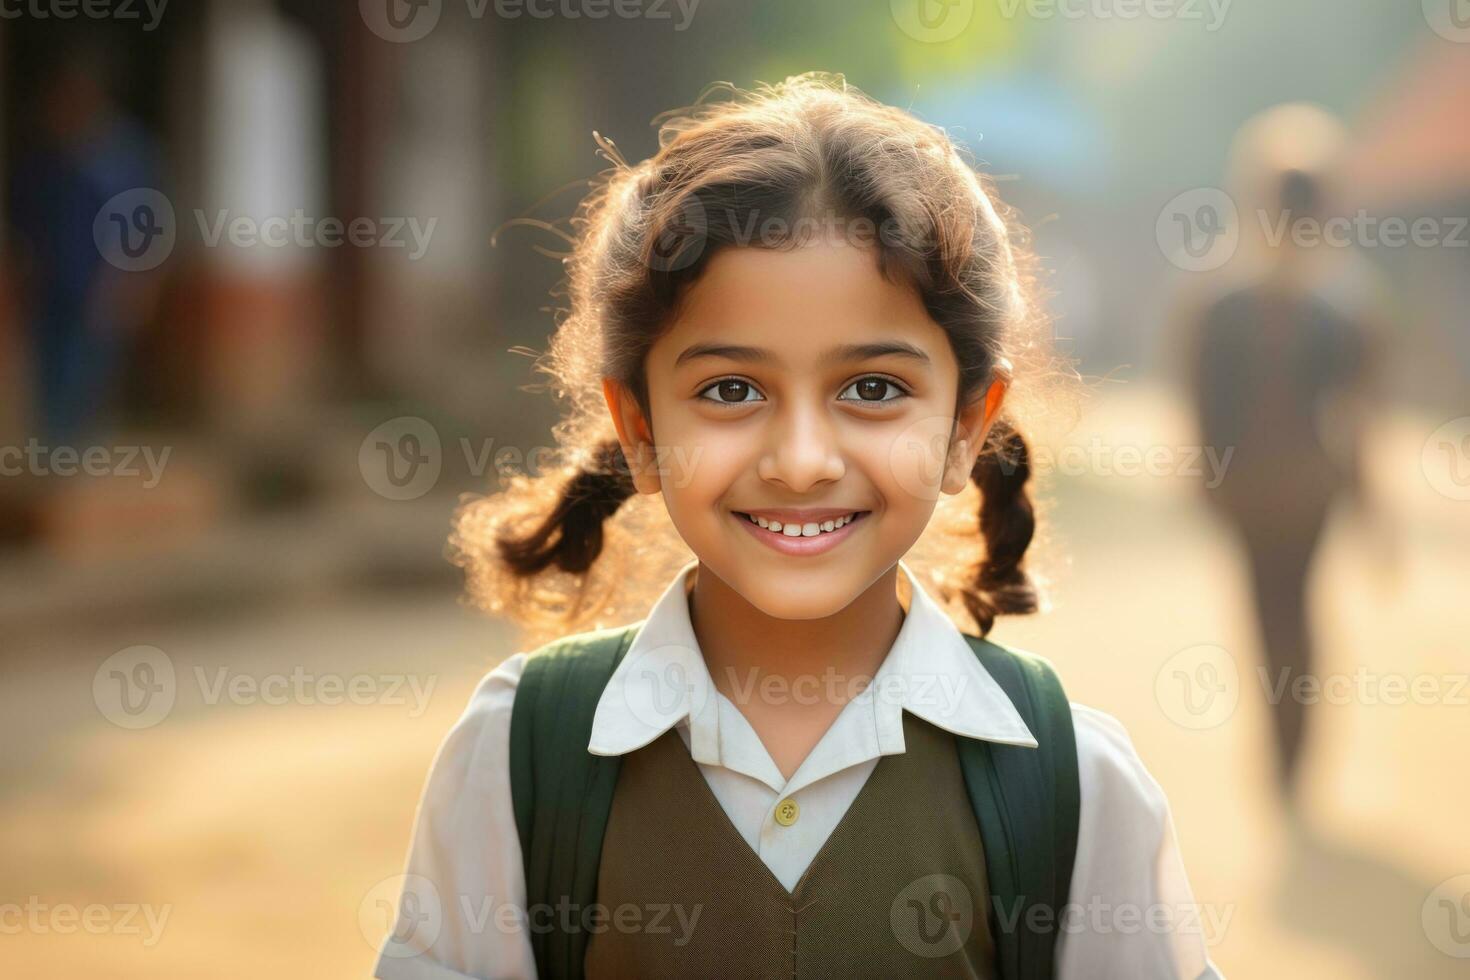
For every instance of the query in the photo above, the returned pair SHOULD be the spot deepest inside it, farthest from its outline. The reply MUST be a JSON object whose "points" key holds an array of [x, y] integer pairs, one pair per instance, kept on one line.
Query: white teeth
{"points": [[807, 530]]}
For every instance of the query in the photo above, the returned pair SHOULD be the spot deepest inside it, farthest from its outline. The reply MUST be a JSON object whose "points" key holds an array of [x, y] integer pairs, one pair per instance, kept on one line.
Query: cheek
{"points": [[703, 460], [909, 461]]}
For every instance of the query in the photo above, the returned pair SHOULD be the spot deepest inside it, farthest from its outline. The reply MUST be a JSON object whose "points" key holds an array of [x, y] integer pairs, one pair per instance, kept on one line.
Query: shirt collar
{"points": [[930, 671]]}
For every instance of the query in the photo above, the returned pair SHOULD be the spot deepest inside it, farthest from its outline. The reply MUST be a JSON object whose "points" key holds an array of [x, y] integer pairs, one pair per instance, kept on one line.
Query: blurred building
{"points": [[1411, 158], [370, 165]]}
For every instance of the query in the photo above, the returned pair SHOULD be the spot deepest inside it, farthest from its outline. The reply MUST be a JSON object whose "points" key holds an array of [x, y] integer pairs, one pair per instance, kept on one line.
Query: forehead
{"points": [[799, 303]]}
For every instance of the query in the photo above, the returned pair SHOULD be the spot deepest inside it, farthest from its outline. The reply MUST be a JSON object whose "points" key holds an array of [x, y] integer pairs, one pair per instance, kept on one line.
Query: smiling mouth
{"points": [[810, 529]]}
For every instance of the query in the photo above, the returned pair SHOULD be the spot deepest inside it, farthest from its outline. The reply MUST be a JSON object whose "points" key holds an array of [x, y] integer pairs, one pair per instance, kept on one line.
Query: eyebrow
{"points": [[728, 351], [842, 354], [868, 351]]}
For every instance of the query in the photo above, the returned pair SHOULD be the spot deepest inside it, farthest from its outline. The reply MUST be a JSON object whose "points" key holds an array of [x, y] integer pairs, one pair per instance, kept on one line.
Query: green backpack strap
{"points": [[561, 793], [1027, 802]]}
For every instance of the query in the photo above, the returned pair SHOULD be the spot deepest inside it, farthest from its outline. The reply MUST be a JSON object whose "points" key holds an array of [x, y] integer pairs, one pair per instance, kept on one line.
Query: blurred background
{"points": [[255, 342]]}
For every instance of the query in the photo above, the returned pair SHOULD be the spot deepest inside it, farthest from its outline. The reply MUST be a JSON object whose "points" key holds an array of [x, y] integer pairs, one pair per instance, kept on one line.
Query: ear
{"points": [[972, 425], [634, 434]]}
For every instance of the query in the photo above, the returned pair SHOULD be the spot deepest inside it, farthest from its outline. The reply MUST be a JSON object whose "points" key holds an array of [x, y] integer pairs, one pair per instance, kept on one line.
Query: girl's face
{"points": [[801, 387]]}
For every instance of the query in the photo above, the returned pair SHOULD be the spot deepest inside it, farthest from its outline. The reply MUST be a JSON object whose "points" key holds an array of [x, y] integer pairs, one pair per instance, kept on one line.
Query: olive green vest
{"points": [[1025, 802], [893, 892]]}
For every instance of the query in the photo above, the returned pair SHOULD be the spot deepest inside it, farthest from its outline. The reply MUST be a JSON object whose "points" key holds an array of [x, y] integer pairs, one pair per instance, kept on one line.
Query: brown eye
{"points": [[731, 391], [873, 388]]}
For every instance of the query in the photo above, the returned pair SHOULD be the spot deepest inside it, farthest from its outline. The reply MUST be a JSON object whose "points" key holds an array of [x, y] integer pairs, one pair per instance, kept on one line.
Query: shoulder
{"points": [[472, 765], [1128, 860], [476, 742], [1114, 778], [1107, 761], [483, 729], [464, 851], [495, 694]]}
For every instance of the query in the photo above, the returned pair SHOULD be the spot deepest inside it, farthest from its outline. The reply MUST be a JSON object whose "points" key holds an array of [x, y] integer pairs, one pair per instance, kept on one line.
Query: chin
{"points": [[798, 593], [787, 606]]}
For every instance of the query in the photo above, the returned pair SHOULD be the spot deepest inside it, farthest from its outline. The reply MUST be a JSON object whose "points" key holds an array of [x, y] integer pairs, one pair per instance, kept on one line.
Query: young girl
{"points": [[800, 334]]}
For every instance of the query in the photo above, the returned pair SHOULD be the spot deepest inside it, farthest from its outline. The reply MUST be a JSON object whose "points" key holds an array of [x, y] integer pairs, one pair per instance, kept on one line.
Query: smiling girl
{"points": [[800, 339]]}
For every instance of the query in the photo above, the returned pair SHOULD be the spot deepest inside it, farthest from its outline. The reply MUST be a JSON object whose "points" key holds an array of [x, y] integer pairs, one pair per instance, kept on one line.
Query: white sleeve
{"points": [[1130, 914], [461, 911]]}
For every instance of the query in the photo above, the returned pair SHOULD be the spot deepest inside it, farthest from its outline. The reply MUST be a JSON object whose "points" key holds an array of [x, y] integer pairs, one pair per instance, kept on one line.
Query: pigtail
{"points": [[1007, 523], [592, 496]]}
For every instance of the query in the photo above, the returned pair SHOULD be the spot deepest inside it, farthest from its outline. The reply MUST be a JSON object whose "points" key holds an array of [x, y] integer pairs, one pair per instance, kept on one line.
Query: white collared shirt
{"points": [[465, 875]]}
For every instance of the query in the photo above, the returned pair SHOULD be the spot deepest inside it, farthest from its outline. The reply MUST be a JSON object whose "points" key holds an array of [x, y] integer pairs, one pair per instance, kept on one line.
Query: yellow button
{"points": [[787, 811]]}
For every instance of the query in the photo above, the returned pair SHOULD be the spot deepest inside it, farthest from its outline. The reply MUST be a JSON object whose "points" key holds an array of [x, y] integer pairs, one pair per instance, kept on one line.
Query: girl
{"points": [[795, 330]]}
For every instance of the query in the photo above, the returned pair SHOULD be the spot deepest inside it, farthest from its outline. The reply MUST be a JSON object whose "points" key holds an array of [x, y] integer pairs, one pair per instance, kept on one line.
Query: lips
{"points": [[814, 538]]}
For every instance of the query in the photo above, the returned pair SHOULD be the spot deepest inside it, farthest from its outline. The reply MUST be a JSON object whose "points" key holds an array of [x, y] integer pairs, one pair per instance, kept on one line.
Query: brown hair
{"points": [[560, 550]]}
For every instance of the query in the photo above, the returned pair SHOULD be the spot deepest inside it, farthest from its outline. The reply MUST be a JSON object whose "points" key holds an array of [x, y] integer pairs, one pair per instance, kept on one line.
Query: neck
{"points": [[743, 647]]}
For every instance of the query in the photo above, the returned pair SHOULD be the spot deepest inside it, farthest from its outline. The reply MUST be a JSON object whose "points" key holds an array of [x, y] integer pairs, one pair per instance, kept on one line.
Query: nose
{"points": [[802, 449]]}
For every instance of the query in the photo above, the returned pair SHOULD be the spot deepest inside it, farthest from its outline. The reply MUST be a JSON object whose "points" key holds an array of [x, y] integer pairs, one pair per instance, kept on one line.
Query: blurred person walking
{"points": [[1278, 360]]}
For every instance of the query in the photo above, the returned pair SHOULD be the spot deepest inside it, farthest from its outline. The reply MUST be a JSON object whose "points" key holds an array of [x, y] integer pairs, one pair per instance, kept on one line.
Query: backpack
{"points": [[1027, 800]]}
